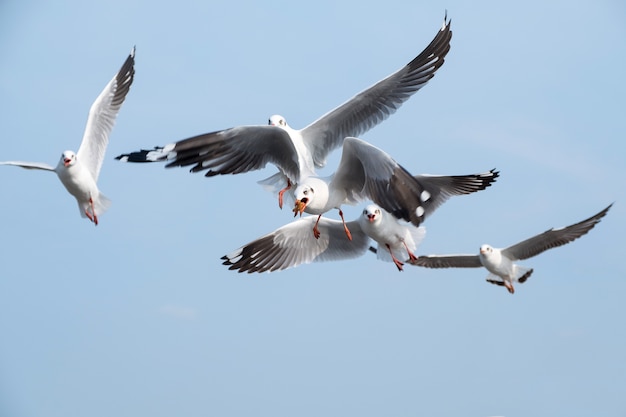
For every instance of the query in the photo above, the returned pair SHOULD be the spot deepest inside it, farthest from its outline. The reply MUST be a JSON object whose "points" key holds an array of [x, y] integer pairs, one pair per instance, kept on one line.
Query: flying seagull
{"points": [[366, 172], [292, 245], [394, 237], [297, 153], [501, 262], [79, 171]]}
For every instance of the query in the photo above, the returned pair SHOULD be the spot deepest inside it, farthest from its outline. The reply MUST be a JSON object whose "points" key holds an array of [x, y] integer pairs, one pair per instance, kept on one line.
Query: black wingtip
{"points": [[144, 155], [446, 22]]}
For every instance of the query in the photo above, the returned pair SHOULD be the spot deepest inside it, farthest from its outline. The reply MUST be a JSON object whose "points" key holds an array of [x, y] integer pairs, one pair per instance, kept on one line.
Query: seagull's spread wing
{"points": [[294, 244], [375, 104], [29, 165], [102, 117], [553, 238], [366, 172], [439, 188], [230, 151], [447, 261]]}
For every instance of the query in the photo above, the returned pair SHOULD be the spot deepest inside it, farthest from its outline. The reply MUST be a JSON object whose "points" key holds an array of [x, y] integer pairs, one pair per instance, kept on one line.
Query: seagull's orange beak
{"points": [[371, 218], [66, 161], [300, 206]]}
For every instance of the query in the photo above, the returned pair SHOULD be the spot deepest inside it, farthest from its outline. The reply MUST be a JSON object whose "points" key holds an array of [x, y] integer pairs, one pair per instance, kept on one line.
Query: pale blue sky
{"points": [[138, 317]]}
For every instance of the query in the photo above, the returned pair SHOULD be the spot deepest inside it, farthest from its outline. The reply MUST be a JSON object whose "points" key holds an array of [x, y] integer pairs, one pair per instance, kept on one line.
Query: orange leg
{"points": [[281, 192], [412, 257], [94, 217], [316, 231], [345, 228], [395, 260]]}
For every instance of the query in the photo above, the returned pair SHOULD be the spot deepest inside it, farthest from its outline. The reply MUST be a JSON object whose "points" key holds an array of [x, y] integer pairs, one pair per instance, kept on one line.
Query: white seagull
{"points": [[292, 245], [394, 238], [79, 171], [366, 172], [501, 262], [297, 153]]}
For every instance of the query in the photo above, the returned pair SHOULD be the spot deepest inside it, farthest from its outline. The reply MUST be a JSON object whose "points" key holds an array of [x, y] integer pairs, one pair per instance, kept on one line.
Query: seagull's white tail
{"points": [[101, 204], [275, 184], [417, 235]]}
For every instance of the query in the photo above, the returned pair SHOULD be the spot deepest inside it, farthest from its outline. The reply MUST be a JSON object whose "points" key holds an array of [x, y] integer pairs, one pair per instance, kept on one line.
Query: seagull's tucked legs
{"points": [[281, 192], [395, 260]]}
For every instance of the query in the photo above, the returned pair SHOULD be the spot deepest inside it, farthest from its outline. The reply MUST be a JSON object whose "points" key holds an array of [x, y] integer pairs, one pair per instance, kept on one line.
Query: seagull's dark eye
{"points": [[312, 190], [377, 211], [305, 192]]}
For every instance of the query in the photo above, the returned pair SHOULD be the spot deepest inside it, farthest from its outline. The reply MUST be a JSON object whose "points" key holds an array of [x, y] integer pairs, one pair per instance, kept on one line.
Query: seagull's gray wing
{"points": [[230, 151], [375, 104], [552, 238], [29, 165], [102, 116], [447, 261], [367, 173], [294, 244], [440, 188]]}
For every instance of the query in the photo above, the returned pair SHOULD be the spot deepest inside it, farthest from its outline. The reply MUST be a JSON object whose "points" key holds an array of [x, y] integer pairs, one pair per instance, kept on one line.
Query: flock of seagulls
{"points": [[401, 200]]}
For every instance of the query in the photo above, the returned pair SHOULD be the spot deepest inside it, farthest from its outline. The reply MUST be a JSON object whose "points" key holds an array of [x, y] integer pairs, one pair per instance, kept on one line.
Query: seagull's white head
{"points": [[277, 120], [373, 214], [68, 158], [486, 250], [312, 194], [303, 194]]}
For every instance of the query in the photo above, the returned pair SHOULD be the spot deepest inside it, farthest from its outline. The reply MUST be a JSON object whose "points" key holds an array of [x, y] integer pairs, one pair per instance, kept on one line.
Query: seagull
{"points": [[501, 262], [391, 234], [366, 172], [79, 171], [297, 153], [292, 245]]}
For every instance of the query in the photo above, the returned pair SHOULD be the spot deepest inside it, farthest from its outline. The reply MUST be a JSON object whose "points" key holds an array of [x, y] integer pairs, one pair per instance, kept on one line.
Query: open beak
{"points": [[66, 161], [300, 206], [371, 218]]}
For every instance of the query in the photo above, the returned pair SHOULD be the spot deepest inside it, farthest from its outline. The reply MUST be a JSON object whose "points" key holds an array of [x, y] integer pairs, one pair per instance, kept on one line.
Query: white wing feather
{"points": [[29, 165], [102, 117]]}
